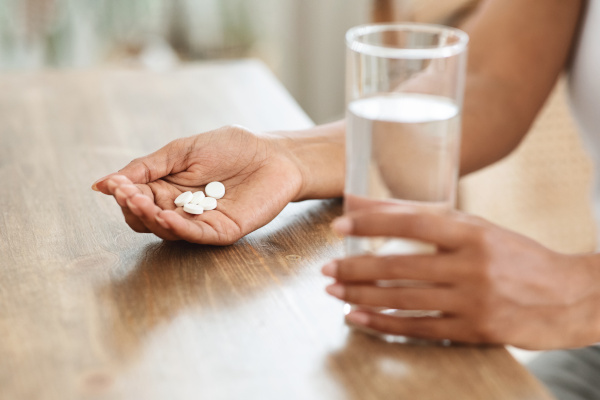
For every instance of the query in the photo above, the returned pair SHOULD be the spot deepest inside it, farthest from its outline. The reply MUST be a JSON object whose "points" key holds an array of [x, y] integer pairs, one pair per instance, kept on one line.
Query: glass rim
{"points": [[354, 44]]}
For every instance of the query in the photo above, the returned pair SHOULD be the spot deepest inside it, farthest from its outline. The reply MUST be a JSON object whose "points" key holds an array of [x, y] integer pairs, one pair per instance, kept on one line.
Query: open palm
{"points": [[260, 179]]}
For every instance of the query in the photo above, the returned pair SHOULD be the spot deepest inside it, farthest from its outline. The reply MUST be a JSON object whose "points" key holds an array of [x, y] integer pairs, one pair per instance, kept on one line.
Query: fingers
{"points": [[442, 229], [121, 190], [167, 160], [145, 209], [202, 228], [143, 215], [100, 184], [113, 183], [431, 328], [125, 191], [368, 268], [404, 298], [110, 183], [137, 206], [182, 227]]}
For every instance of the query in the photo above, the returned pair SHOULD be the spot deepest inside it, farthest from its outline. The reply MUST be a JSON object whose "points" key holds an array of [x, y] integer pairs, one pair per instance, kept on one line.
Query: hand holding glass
{"points": [[405, 85]]}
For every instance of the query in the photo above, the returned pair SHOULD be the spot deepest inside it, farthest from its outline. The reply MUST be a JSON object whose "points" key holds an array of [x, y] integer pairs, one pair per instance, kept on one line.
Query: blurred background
{"points": [[302, 41], [541, 190]]}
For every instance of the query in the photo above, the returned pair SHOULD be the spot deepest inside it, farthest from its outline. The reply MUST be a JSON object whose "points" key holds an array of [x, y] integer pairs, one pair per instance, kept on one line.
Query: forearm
{"points": [[491, 126], [517, 51], [582, 291], [320, 153]]}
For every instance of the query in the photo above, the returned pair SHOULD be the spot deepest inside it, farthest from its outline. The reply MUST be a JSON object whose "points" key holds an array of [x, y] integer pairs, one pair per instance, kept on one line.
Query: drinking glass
{"points": [[404, 94]]}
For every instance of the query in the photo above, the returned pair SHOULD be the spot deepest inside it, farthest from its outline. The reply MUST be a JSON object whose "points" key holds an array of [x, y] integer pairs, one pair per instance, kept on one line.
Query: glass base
{"points": [[391, 338]]}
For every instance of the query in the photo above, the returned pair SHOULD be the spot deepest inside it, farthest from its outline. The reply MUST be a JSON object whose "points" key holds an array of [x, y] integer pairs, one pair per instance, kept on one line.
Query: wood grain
{"points": [[91, 310]]}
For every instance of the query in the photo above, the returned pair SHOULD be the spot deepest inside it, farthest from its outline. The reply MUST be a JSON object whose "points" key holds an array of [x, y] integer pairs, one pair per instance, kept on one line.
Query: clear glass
{"points": [[405, 86]]}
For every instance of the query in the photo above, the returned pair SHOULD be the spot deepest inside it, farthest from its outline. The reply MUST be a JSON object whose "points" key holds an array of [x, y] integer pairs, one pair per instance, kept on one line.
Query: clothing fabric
{"points": [[584, 92], [575, 374], [570, 374]]}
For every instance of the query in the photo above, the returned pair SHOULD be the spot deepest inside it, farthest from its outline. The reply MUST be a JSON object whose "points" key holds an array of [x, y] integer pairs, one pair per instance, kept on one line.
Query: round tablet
{"points": [[198, 196], [208, 203], [193, 208], [183, 199], [215, 190]]}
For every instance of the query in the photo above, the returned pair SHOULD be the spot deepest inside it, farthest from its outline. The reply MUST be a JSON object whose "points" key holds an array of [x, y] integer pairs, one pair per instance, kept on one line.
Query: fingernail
{"points": [[95, 184], [342, 225], [358, 318], [336, 290], [162, 222], [330, 269]]}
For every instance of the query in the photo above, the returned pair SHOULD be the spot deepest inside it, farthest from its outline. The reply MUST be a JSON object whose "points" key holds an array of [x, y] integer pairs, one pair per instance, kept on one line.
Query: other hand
{"points": [[491, 285]]}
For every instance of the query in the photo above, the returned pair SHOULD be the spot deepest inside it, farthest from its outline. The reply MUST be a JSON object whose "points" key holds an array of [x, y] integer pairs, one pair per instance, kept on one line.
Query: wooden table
{"points": [[91, 310]]}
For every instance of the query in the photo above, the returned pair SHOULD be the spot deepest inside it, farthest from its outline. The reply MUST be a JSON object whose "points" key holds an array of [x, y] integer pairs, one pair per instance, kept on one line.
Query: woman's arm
{"points": [[517, 51]]}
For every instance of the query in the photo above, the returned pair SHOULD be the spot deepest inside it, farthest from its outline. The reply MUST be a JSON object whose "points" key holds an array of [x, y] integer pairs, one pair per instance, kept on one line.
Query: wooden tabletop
{"points": [[91, 310]]}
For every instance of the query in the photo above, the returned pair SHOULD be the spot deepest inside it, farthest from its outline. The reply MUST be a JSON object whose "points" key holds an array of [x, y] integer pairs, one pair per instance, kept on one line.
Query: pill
{"points": [[215, 190], [183, 199], [208, 203], [193, 208], [197, 197]]}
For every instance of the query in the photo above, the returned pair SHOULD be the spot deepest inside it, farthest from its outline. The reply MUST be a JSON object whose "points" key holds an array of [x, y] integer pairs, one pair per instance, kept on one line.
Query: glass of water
{"points": [[404, 93]]}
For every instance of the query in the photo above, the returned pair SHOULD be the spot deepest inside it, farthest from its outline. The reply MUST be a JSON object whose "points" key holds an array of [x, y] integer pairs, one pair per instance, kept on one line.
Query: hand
{"points": [[260, 176], [491, 285]]}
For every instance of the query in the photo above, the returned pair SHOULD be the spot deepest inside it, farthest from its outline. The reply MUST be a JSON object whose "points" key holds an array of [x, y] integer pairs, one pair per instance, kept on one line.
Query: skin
{"points": [[517, 51], [261, 175], [492, 285]]}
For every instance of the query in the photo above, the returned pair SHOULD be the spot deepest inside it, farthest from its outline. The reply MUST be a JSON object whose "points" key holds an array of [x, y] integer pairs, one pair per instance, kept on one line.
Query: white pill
{"points": [[183, 199], [198, 196], [208, 203], [193, 208], [215, 190]]}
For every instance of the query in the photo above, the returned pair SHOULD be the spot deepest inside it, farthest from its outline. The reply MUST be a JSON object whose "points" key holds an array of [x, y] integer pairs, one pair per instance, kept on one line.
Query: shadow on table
{"points": [[394, 370], [171, 277]]}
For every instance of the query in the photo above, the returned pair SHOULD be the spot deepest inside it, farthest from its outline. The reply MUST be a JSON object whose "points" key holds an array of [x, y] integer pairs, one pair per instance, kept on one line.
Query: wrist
{"points": [[585, 294], [319, 154]]}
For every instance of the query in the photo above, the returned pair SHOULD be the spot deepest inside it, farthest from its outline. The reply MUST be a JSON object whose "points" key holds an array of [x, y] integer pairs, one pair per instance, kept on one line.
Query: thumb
{"points": [[167, 160], [426, 223]]}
